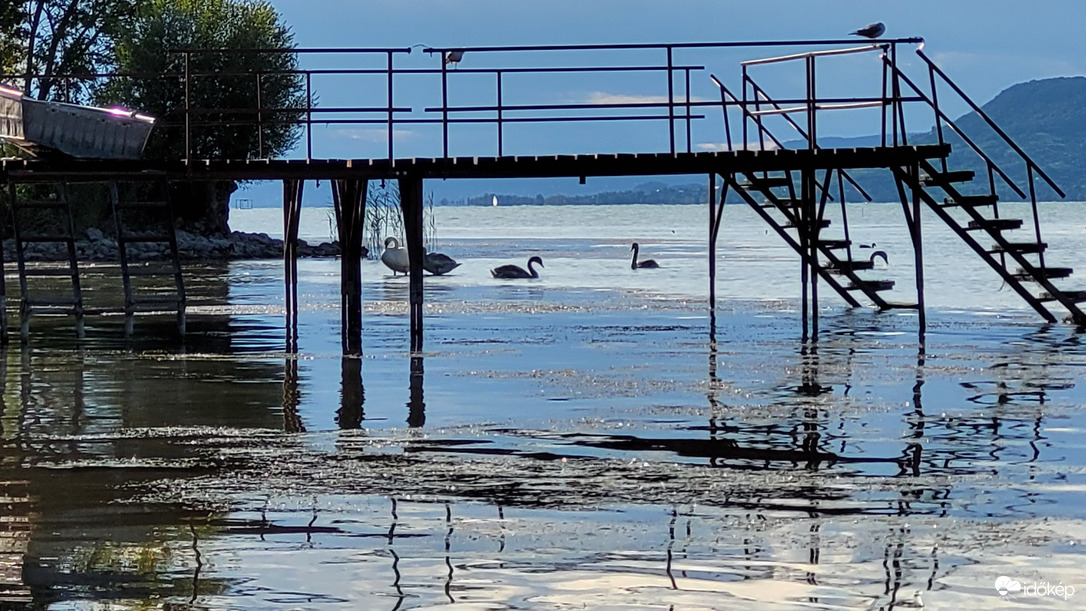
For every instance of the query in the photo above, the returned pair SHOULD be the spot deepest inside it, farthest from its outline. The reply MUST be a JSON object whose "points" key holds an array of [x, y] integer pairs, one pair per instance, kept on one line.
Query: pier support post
{"points": [[349, 199], [912, 208], [292, 212], [716, 212], [411, 205]]}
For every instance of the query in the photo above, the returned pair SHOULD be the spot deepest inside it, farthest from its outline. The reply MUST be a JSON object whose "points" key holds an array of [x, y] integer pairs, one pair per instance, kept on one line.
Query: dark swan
{"points": [[646, 264], [879, 253], [516, 271], [437, 263]]}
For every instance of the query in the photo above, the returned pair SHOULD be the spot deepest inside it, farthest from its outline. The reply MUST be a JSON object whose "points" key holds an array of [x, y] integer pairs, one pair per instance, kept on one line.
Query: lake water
{"points": [[573, 441]]}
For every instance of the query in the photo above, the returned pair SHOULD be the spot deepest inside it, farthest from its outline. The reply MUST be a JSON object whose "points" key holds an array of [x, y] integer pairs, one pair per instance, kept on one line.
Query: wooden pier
{"points": [[793, 185]]}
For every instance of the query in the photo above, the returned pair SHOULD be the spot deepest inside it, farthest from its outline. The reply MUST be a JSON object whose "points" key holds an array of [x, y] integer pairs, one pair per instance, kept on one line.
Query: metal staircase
{"points": [[54, 288], [38, 290], [157, 225], [774, 199], [796, 207], [1012, 247], [975, 218]]}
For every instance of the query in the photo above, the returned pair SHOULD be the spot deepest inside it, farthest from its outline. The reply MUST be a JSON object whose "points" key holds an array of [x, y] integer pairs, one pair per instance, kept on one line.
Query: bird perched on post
{"points": [[453, 57], [870, 31]]}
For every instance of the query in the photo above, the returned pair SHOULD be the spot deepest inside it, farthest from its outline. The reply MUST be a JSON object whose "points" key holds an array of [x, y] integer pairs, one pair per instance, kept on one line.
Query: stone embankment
{"points": [[94, 245]]}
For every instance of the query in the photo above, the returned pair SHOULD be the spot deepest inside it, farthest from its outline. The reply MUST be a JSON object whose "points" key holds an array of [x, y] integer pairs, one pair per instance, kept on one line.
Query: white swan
{"points": [[395, 257]]}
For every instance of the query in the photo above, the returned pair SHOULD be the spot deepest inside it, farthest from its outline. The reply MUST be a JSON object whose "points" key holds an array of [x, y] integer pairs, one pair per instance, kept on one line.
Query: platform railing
{"points": [[669, 96]]}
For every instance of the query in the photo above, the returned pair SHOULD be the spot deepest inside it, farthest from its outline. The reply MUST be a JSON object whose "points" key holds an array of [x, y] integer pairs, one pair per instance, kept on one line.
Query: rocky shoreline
{"points": [[96, 246]]}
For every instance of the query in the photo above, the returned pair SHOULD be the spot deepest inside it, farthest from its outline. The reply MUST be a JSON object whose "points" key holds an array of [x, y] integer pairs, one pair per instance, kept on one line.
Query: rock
{"points": [[96, 246]]}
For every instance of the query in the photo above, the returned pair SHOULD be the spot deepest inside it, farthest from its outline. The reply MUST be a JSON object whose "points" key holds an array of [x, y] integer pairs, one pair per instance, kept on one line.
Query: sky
{"points": [[985, 45]]}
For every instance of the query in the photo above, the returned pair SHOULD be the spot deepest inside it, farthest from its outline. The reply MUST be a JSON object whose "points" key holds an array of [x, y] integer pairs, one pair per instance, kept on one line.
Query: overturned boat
{"points": [[87, 132]]}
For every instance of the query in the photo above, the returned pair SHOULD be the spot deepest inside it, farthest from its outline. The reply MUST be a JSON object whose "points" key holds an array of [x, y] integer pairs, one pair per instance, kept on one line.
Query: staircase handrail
{"points": [[1030, 164], [992, 165]]}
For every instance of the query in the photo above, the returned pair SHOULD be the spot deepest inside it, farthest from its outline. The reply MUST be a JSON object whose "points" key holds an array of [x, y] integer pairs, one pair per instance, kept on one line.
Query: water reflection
{"points": [[416, 407], [352, 393]]}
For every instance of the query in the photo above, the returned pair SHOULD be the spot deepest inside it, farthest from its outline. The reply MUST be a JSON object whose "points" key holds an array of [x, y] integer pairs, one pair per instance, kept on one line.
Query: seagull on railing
{"points": [[453, 57], [870, 31]]}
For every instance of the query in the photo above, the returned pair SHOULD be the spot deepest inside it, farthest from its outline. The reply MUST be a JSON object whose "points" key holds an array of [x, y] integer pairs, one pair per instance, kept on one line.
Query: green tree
{"points": [[12, 38], [226, 81], [59, 39]]}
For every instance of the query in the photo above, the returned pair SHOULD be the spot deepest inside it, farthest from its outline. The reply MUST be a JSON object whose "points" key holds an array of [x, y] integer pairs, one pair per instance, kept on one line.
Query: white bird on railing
{"points": [[873, 30], [453, 57]]}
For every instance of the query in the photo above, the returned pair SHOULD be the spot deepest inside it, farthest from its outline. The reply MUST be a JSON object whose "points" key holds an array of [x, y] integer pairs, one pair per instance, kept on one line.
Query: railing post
{"points": [[689, 137], [390, 106], [670, 99], [188, 108], [444, 107], [935, 108], [811, 105], [887, 106], [500, 126], [744, 103], [259, 120], [308, 115]]}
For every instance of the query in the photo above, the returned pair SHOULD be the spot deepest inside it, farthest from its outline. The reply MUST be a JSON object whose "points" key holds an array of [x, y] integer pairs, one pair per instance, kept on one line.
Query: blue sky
{"points": [[985, 45]]}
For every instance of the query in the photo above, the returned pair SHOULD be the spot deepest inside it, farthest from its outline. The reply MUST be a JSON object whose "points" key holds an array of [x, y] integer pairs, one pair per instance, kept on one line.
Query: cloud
{"points": [[376, 135], [723, 146], [602, 97]]}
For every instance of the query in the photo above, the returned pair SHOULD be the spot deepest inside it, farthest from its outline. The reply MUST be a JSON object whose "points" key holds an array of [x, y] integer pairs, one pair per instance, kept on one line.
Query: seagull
{"points": [[454, 57], [870, 31]]}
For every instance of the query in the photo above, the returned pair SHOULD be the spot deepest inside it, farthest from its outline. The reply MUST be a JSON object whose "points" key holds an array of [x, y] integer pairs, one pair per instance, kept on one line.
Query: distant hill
{"points": [[1045, 118]]}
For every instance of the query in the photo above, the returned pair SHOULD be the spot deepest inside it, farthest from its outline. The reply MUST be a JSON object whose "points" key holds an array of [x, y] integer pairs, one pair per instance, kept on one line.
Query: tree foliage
{"points": [[62, 44], [12, 37], [225, 82]]}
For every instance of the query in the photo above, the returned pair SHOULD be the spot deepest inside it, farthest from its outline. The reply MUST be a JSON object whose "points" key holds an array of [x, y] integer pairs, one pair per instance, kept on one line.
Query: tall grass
{"points": [[384, 218]]}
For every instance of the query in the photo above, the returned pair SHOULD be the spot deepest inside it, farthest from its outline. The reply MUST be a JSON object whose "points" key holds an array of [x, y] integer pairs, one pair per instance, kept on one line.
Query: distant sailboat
{"points": [[494, 201]]}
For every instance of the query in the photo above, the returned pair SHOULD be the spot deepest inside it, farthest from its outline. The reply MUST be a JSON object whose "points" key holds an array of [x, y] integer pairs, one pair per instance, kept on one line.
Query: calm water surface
{"points": [[570, 442]]}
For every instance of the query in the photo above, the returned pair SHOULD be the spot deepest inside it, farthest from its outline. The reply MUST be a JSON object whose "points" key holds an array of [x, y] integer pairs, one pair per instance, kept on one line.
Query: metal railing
{"points": [[486, 89]]}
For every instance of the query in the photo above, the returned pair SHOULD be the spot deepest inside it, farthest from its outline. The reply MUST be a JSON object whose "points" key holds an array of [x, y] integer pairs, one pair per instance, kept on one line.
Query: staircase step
{"points": [[834, 244], [873, 285], [1043, 272], [1075, 296], [995, 224], [783, 203], [944, 178], [1025, 248], [823, 223], [847, 266], [971, 200], [756, 183]]}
